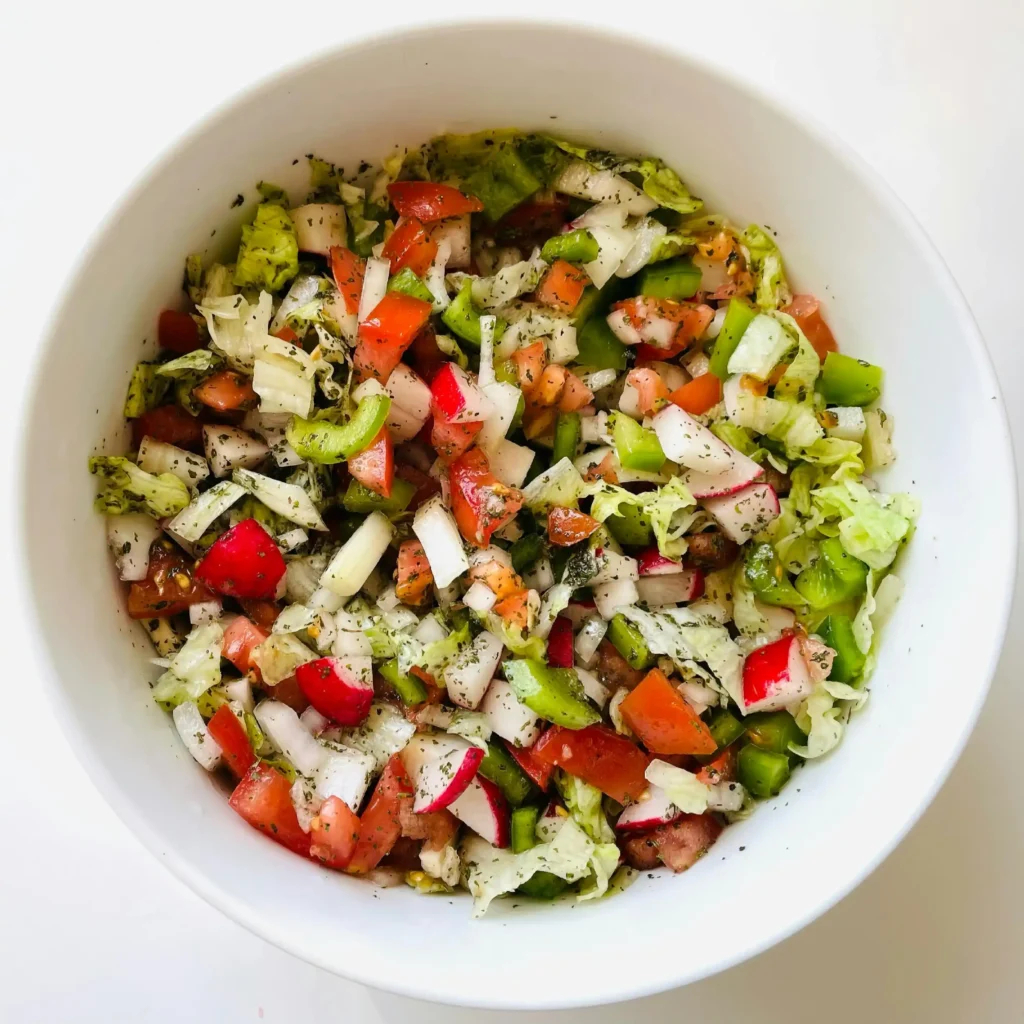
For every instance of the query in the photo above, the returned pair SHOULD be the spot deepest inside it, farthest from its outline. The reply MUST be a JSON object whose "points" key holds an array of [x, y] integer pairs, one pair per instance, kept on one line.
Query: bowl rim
{"points": [[108, 784]]}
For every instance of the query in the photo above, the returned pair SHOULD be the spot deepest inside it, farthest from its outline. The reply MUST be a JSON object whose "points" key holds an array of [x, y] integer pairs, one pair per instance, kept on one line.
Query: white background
{"points": [[929, 91]]}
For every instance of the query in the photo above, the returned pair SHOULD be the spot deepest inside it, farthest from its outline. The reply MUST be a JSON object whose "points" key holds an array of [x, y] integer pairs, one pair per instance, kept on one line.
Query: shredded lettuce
{"points": [[126, 488], [195, 669], [145, 390], [513, 638], [766, 262], [269, 254], [818, 716], [684, 789], [560, 485], [872, 525], [279, 656], [383, 733], [662, 184], [584, 802], [671, 509], [797, 382], [879, 602]]}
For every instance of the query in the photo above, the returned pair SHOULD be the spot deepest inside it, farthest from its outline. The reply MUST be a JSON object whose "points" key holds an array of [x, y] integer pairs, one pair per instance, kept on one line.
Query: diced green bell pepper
{"points": [[524, 828], [762, 772], [670, 279], [145, 390], [360, 499], [568, 431], [837, 632], [836, 576], [631, 526], [636, 446], [767, 578], [408, 283], [463, 318], [526, 551], [737, 319], [409, 689], [503, 770], [598, 346], [773, 730], [553, 693], [848, 381], [725, 728], [502, 182], [630, 643], [543, 886], [325, 442], [505, 372], [578, 246]]}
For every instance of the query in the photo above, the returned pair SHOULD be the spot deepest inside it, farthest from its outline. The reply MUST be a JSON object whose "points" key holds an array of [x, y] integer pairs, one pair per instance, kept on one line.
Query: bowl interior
{"points": [[888, 299]]}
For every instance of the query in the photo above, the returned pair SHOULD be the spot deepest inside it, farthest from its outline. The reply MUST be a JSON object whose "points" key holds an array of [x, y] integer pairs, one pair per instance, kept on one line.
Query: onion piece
{"points": [[375, 285], [479, 597], [130, 537], [290, 736], [622, 328], [351, 566], [287, 500], [229, 448], [195, 519], [589, 638], [196, 737], [159, 457], [442, 543]]}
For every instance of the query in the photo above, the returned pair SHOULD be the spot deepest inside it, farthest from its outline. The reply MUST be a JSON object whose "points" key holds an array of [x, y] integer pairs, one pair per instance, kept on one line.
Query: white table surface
{"points": [[94, 929]]}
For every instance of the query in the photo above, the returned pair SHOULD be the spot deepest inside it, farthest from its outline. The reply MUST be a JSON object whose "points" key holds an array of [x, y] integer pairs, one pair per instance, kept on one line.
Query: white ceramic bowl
{"points": [[889, 299]]}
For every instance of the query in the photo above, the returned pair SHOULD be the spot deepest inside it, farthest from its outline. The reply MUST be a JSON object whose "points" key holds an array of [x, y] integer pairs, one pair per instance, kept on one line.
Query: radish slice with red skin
{"points": [[746, 512], [653, 563], [455, 395], [560, 643], [652, 809], [339, 688], [483, 808], [659, 591], [776, 676], [691, 444], [742, 474], [441, 767]]}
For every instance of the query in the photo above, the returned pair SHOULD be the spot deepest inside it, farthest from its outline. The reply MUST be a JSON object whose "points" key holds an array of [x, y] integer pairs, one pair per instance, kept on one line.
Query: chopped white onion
{"points": [[542, 576], [589, 638], [290, 736], [442, 544], [622, 328], [357, 558], [429, 630], [375, 285], [202, 612], [599, 379], [130, 537], [479, 597], [593, 687], [492, 553], [159, 457], [195, 519], [388, 599], [196, 737], [351, 645]]}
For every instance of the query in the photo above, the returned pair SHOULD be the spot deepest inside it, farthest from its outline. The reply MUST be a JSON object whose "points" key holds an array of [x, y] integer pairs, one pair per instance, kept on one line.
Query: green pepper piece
{"points": [[848, 381], [463, 318], [553, 693], [631, 526], [725, 728], [636, 446], [578, 246], [670, 279], [630, 643], [543, 886], [409, 689], [145, 390], [325, 442], [360, 499], [503, 770], [408, 283], [598, 346], [568, 432], [836, 576], [774, 730], [505, 371], [524, 828], [597, 301], [526, 551], [737, 320], [836, 631], [762, 772], [364, 246], [502, 181], [768, 580]]}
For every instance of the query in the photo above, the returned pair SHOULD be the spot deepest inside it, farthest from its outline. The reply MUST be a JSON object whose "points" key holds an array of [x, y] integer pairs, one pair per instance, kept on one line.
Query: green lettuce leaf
{"points": [[671, 510], [883, 594], [195, 669], [269, 254], [126, 488], [684, 789], [662, 184], [766, 263], [584, 803]]}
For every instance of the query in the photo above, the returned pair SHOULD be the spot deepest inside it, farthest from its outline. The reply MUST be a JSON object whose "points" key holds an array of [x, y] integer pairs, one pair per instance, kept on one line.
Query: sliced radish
{"points": [[691, 444], [318, 226], [229, 448], [652, 809], [159, 457], [350, 568], [442, 544], [746, 512], [455, 395], [340, 688], [482, 807], [742, 473], [441, 767], [469, 674], [408, 390], [560, 643], [653, 563], [658, 591], [615, 594], [508, 716], [775, 676]]}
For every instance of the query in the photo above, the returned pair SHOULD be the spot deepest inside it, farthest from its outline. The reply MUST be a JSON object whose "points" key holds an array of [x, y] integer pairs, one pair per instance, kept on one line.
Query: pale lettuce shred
{"points": [[671, 508], [683, 788], [772, 291], [195, 669], [872, 525], [584, 803], [268, 256], [127, 488]]}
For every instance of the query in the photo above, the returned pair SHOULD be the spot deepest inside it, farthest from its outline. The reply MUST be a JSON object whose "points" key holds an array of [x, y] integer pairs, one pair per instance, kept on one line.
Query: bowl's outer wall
{"points": [[888, 300]]}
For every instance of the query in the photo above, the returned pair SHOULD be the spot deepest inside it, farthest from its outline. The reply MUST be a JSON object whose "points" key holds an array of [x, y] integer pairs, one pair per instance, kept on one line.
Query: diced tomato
{"points": [[597, 755], [226, 391], [560, 651], [289, 692], [231, 737], [658, 713], [699, 395], [387, 332], [263, 613], [178, 332], [333, 833], [429, 201], [530, 362], [678, 845], [548, 389], [243, 562], [535, 221], [575, 394], [450, 440], [410, 246], [567, 526], [286, 334], [426, 486], [348, 269], [515, 610], [562, 286], [538, 770], [806, 311], [692, 321], [717, 247], [424, 356], [481, 503], [538, 420], [414, 576], [241, 638], [650, 389], [263, 798], [169, 587], [380, 824], [502, 580], [721, 769], [374, 466], [170, 424], [604, 470]]}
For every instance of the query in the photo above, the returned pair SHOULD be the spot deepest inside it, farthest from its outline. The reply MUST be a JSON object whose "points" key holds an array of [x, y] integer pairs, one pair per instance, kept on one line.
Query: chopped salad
{"points": [[502, 520]]}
